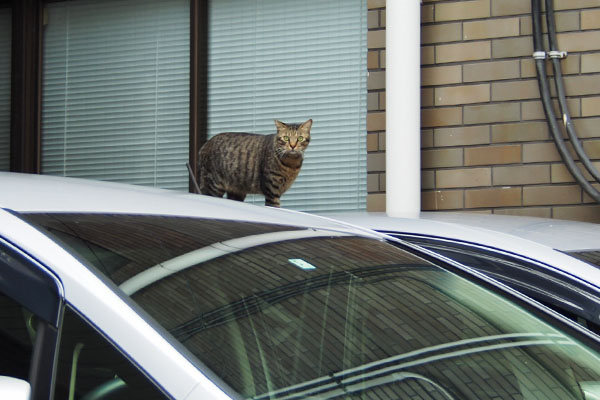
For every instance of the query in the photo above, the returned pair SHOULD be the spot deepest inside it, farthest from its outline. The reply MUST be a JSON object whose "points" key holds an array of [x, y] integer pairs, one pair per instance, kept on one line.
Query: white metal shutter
{"points": [[116, 91], [292, 60], [5, 82]]}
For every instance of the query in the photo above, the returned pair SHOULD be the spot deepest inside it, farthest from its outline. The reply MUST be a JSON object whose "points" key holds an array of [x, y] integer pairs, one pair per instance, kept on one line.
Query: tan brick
{"points": [[375, 4], [376, 202], [540, 152], [373, 59], [427, 97], [372, 183], [515, 90], [590, 106], [578, 41], [382, 182], [441, 33], [461, 136], [520, 132], [490, 155], [382, 58], [565, 21], [560, 173], [528, 69], [445, 75], [463, 178], [494, 197], [373, 19], [540, 212], [490, 28], [464, 94], [376, 80], [521, 175], [592, 148], [426, 138], [531, 110], [551, 195], [427, 180], [462, 10], [512, 47], [467, 51], [587, 198], [376, 121], [427, 55], [441, 158], [373, 101], [590, 63], [441, 117], [490, 113], [442, 200], [491, 71], [575, 4], [584, 213], [382, 102], [510, 7], [586, 127], [375, 162], [582, 85], [427, 11], [381, 141], [372, 142], [376, 39]]}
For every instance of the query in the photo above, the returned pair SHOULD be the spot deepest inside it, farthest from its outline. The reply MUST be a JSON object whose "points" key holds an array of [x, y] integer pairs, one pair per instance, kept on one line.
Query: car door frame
{"points": [[34, 287]]}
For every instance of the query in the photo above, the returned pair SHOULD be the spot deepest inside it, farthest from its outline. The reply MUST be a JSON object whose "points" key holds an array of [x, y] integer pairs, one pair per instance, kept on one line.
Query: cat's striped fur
{"points": [[243, 163]]}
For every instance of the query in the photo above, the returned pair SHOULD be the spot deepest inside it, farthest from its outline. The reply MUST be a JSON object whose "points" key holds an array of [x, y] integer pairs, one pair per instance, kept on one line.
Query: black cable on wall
{"points": [[540, 57]]}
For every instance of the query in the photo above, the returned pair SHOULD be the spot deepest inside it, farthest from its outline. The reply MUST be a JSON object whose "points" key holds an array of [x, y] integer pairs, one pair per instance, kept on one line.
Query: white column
{"points": [[403, 107]]}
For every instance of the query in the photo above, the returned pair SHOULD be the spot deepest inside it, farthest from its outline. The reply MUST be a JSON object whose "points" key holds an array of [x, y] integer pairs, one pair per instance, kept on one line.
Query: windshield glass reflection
{"points": [[281, 312]]}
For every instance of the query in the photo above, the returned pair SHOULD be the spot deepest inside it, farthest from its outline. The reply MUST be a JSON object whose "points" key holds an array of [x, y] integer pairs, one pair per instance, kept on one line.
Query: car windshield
{"points": [[282, 312]]}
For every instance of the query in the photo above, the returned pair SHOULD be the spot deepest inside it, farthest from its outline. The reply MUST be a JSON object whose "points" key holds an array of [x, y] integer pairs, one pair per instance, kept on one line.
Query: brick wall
{"points": [[485, 143]]}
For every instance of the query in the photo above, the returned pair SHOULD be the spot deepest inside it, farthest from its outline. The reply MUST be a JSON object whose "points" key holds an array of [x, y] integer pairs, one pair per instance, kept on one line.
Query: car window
{"points": [[590, 256], [282, 312], [30, 310], [569, 297], [17, 335], [89, 367]]}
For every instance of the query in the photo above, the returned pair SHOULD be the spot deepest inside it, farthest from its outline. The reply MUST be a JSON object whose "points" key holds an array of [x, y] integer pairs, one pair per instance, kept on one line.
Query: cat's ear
{"points": [[280, 125], [306, 126]]}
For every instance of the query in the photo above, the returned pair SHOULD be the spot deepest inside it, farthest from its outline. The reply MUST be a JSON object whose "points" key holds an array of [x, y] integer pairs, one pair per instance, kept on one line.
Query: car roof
{"points": [[31, 193], [481, 236], [563, 235]]}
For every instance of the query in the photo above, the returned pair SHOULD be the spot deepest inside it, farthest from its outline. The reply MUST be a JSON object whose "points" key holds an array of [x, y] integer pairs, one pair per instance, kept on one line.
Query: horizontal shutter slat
{"points": [[5, 83], [116, 91], [294, 60]]}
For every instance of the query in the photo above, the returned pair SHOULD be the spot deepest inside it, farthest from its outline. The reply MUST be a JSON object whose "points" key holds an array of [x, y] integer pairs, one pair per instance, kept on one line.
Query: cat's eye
{"points": [[301, 138], [286, 138]]}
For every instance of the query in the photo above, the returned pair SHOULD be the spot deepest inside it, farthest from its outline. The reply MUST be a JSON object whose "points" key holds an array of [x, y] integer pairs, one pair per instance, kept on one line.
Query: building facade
{"points": [[486, 145], [101, 90]]}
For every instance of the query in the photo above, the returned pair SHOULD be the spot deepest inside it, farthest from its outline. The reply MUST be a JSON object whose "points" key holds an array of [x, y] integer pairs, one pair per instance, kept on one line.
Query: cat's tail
{"points": [[193, 178]]}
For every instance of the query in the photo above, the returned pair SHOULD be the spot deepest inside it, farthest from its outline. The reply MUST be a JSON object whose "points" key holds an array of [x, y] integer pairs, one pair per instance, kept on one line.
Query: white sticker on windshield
{"points": [[300, 263]]}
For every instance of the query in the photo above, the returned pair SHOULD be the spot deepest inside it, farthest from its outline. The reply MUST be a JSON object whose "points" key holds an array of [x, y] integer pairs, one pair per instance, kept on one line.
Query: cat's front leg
{"points": [[272, 201]]}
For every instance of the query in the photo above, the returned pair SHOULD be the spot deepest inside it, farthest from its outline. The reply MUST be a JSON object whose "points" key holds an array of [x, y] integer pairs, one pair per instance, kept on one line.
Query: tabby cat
{"points": [[243, 163]]}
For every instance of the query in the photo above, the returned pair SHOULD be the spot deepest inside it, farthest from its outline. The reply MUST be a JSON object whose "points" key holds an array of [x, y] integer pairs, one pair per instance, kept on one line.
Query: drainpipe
{"points": [[403, 108]]}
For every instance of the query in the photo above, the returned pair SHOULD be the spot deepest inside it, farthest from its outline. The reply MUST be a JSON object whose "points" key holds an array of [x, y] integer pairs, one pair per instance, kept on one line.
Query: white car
{"points": [[556, 262], [110, 291]]}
